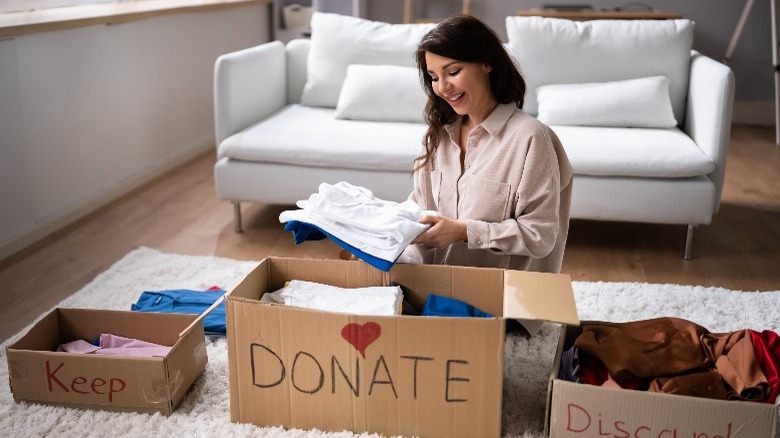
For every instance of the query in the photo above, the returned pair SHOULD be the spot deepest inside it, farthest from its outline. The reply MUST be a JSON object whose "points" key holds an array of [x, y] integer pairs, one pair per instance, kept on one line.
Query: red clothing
{"points": [[766, 345]]}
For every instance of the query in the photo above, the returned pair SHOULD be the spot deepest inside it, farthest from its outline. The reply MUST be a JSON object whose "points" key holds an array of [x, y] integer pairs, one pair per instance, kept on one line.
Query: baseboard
{"points": [[754, 112], [71, 214]]}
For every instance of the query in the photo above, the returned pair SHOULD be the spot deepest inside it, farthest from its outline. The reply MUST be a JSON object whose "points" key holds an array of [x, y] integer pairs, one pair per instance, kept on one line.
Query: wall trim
{"points": [[107, 13], [57, 221]]}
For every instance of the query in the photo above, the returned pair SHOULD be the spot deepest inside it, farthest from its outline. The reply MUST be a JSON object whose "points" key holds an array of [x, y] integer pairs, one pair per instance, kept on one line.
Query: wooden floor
{"points": [[180, 213]]}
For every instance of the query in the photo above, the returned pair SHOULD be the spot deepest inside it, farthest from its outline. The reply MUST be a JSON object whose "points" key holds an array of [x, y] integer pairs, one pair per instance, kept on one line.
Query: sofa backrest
{"points": [[338, 41], [555, 51]]}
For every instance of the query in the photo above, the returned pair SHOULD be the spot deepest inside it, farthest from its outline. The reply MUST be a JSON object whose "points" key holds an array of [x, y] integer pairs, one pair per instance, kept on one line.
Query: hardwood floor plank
{"points": [[180, 213]]}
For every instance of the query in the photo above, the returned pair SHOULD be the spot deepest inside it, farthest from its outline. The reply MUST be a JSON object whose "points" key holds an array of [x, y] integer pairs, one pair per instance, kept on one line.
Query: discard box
{"points": [[118, 383], [395, 375], [582, 410]]}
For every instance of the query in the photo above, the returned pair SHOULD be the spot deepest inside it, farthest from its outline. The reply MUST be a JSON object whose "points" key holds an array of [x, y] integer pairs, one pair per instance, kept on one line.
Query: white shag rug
{"points": [[205, 410]]}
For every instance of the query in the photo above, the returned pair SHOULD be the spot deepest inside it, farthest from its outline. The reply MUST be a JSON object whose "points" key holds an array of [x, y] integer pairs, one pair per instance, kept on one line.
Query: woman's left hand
{"points": [[443, 231]]}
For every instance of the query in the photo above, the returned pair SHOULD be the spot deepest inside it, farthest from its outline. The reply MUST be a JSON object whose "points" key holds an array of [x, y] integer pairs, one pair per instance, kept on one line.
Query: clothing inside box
{"points": [[397, 300], [65, 325], [674, 356]]}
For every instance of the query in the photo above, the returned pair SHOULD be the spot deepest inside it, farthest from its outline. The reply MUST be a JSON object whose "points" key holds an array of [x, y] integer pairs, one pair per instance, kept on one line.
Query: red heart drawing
{"points": [[361, 336]]}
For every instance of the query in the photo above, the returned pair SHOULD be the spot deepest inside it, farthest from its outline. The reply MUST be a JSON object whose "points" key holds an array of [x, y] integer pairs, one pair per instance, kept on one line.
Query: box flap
{"points": [[43, 335], [186, 361], [554, 375], [539, 296]]}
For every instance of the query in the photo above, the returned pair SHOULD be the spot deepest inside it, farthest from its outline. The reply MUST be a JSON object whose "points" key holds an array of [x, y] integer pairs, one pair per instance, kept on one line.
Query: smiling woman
{"points": [[497, 179]]}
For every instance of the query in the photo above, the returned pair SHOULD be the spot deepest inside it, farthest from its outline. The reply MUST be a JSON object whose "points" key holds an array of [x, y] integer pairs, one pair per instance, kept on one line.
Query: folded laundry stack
{"points": [[375, 230], [374, 300]]}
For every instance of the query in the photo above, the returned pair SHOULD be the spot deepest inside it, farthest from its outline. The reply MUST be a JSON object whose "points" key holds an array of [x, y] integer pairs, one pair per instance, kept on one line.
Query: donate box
{"points": [[581, 410], [394, 375], [40, 374]]}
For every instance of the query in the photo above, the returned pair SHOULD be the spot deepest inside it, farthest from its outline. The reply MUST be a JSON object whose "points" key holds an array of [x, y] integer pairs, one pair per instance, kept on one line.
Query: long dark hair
{"points": [[466, 39]]}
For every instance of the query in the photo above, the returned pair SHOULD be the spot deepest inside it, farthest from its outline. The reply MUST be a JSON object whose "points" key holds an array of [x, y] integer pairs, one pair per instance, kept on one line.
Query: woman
{"points": [[498, 178]]}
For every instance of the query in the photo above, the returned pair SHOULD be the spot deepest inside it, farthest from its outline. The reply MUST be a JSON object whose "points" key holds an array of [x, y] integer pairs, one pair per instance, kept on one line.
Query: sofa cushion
{"points": [[338, 41], [385, 93], [639, 103], [310, 136], [556, 51], [639, 152]]}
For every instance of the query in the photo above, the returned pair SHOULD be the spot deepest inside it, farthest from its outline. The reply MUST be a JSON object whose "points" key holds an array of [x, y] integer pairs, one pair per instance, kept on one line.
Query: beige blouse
{"points": [[514, 191]]}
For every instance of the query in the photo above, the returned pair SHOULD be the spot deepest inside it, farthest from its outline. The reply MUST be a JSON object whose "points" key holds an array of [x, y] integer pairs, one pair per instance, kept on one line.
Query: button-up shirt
{"points": [[513, 190]]}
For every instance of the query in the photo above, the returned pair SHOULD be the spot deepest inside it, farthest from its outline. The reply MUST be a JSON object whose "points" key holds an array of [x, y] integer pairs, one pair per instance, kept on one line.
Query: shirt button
{"points": [[479, 242], [471, 143]]}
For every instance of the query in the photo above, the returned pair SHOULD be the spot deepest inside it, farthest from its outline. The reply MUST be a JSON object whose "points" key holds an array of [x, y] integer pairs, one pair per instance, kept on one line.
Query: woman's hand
{"points": [[443, 231]]}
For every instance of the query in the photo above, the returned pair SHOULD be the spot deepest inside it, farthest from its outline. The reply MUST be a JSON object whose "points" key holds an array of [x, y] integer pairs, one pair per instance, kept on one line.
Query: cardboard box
{"points": [[395, 375], [582, 410], [118, 383]]}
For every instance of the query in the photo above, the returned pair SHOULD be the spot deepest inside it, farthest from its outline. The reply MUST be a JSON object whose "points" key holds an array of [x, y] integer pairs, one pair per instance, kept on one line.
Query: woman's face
{"points": [[464, 85]]}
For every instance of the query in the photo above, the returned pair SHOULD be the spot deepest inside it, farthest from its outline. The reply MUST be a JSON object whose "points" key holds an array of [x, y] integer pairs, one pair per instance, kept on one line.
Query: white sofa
{"points": [[640, 153]]}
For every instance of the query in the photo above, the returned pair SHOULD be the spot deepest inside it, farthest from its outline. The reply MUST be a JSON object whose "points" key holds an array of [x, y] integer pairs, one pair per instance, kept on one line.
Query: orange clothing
{"points": [[677, 356]]}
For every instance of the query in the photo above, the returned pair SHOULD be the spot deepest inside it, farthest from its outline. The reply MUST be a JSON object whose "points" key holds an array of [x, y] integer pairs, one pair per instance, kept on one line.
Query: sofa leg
{"points": [[237, 216], [688, 242]]}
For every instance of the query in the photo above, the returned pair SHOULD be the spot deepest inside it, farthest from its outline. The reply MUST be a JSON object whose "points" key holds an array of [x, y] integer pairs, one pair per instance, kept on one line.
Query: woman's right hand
{"points": [[443, 231]]}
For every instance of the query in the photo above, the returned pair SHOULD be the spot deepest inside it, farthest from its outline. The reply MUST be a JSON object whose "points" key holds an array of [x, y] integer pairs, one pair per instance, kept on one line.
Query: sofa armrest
{"points": [[708, 112], [249, 85]]}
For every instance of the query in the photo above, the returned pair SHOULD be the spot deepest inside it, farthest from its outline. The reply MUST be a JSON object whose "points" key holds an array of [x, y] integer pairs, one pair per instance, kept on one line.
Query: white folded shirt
{"points": [[354, 215], [373, 300]]}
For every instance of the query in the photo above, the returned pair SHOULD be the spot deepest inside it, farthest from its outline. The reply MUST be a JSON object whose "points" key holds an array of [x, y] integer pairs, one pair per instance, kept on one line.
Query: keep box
{"points": [[395, 375], [40, 374]]}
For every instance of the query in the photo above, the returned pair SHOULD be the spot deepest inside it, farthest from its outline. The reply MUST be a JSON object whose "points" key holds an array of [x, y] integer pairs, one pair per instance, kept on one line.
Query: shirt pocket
{"points": [[487, 200]]}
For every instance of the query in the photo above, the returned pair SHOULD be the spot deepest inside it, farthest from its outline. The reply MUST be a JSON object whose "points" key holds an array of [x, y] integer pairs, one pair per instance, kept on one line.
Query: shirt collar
{"points": [[494, 122]]}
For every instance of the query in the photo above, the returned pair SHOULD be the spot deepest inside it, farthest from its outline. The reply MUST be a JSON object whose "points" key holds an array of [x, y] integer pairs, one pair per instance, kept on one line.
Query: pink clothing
{"points": [[513, 190], [116, 346]]}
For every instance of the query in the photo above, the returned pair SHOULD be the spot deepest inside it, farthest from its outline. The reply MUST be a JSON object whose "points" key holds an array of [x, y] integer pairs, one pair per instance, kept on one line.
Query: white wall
{"points": [[90, 113]]}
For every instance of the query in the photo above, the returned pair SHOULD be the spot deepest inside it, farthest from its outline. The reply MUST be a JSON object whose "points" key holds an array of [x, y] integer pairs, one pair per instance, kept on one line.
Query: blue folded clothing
{"points": [[303, 231], [437, 305], [192, 302]]}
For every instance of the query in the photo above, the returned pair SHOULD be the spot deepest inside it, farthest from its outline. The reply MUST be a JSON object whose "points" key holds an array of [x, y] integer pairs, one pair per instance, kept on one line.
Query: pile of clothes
{"points": [[675, 356]]}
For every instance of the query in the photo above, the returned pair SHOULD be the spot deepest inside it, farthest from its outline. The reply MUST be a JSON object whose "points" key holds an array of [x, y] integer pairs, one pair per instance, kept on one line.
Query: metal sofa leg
{"points": [[688, 242], [237, 216]]}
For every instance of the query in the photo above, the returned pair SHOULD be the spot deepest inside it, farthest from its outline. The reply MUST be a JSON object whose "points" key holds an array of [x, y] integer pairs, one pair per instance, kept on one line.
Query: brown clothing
{"points": [[678, 357], [513, 190]]}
